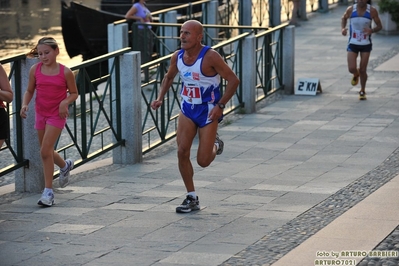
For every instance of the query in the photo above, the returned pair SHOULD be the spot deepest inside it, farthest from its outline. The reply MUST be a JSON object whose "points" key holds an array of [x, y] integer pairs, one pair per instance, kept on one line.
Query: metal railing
{"points": [[269, 56], [193, 10], [156, 41], [90, 132], [160, 126], [229, 13], [95, 128]]}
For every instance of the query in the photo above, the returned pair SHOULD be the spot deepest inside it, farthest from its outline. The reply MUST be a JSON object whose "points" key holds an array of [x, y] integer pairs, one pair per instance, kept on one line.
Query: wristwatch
{"points": [[221, 105]]}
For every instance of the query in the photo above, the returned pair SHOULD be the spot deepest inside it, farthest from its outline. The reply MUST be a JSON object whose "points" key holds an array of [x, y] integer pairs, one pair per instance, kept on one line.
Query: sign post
{"points": [[308, 86]]}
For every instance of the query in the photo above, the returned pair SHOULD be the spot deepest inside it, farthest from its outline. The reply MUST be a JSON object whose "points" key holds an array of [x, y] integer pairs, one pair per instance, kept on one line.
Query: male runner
{"points": [[202, 105], [361, 15]]}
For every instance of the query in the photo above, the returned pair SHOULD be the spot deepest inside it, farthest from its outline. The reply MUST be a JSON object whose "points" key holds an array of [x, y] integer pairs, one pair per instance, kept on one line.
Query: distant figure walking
{"points": [[55, 89], [294, 13], [140, 13]]}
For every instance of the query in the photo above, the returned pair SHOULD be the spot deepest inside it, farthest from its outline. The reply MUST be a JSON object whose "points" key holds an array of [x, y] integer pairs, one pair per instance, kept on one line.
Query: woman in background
{"points": [[294, 13], [140, 13]]}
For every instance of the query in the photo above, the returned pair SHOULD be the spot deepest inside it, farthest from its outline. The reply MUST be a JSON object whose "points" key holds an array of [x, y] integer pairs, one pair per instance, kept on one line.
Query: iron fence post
{"points": [[16, 81]]}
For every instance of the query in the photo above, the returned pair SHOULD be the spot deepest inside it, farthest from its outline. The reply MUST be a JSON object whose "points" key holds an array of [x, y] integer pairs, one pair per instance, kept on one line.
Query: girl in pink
{"points": [[55, 89]]}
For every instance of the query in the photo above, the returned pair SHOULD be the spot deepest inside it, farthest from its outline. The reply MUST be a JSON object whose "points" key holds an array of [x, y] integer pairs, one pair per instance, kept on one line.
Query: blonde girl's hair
{"points": [[50, 41]]}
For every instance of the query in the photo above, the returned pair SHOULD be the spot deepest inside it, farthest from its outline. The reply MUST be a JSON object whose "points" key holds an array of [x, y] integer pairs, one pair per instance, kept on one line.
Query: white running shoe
{"points": [[47, 199], [64, 175]]}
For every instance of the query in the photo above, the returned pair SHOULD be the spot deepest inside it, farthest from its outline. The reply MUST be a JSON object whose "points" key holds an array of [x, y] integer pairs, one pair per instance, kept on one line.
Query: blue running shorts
{"points": [[198, 113]]}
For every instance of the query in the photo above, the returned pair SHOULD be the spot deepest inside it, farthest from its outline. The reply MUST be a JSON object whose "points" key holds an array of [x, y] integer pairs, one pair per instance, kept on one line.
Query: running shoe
{"points": [[64, 175], [189, 204], [47, 199], [221, 144], [362, 95], [355, 79]]}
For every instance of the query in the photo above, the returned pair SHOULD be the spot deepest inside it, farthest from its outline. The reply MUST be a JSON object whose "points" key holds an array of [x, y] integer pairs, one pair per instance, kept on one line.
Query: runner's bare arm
{"points": [[217, 63], [377, 21], [344, 20], [166, 82]]}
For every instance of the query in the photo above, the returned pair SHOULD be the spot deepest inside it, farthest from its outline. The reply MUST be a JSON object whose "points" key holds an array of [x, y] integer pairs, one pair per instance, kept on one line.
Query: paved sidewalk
{"points": [[300, 170]]}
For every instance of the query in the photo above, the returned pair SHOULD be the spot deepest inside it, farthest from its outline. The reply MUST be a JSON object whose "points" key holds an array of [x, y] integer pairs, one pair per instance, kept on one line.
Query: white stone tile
{"points": [[74, 229]]}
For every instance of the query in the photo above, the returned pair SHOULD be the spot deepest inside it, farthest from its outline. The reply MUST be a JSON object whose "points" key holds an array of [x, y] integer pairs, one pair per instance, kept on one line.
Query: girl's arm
{"points": [[72, 93]]}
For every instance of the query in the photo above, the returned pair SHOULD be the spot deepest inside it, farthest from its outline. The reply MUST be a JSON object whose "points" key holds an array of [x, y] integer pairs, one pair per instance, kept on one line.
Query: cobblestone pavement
{"points": [[288, 171], [282, 240]]}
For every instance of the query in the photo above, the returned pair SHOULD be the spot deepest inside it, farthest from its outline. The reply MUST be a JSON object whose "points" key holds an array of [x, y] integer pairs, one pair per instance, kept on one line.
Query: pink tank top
{"points": [[50, 91]]}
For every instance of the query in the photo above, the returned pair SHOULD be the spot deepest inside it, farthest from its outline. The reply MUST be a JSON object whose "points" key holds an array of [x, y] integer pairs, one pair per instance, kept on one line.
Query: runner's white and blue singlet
{"points": [[357, 25], [199, 92]]}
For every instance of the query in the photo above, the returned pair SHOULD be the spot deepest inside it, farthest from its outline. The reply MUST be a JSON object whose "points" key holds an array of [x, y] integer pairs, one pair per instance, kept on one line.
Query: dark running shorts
{"points": [[4, 124], [359, 48]]}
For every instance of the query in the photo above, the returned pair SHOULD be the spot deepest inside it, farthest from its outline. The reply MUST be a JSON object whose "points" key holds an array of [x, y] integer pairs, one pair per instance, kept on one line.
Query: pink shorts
{"points": [[55, 121]]}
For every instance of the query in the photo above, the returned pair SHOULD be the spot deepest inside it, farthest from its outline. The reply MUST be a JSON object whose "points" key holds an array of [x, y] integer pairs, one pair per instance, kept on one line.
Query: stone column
{"points": [[245, 13], [289, 59], [117, 36], [275, 13], [171, 33], [117, 39], [211, 18], [323, 6], [248, 73], [130, 90], [302, 10], [29, 179]]}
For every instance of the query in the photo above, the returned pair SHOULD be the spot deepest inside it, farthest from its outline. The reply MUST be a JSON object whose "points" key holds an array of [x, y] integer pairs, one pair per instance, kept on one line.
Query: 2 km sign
{"points": [[306, 86]]}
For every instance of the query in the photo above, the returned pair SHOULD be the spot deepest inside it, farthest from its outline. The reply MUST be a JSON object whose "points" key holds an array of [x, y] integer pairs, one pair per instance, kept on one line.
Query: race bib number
{"points": [[359, 35], [191, 93]]}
